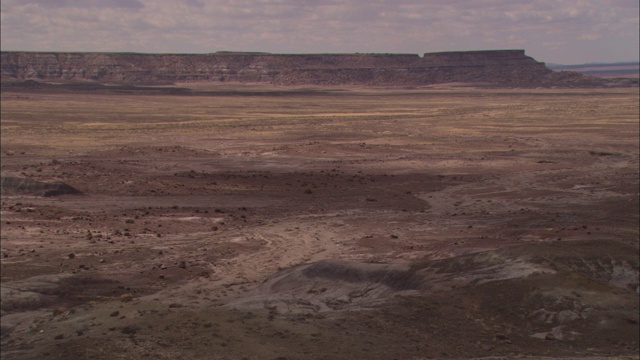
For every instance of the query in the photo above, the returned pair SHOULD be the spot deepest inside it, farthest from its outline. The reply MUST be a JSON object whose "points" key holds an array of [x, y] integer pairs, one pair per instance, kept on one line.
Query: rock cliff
{"points": [[506, 67]]}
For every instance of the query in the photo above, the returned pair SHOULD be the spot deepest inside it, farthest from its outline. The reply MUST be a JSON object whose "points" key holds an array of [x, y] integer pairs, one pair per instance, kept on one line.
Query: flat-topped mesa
{"points": [[489, 66], [510, 67], [480, 57]]}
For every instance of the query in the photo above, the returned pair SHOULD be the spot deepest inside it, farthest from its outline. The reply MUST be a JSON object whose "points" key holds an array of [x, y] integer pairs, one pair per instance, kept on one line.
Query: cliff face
{"points": [[511, 67]]}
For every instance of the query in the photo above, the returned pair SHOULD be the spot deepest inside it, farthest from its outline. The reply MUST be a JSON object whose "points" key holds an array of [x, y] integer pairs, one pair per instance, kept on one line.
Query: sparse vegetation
{"points": [[350, 223]]}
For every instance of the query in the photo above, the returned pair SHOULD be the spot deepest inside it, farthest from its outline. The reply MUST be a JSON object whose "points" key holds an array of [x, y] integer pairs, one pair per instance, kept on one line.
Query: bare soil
{"points": [[251, 222]]}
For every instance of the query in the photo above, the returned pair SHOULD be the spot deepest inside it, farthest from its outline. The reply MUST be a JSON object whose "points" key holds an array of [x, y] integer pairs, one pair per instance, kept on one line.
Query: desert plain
{"points": [[261, 222]]}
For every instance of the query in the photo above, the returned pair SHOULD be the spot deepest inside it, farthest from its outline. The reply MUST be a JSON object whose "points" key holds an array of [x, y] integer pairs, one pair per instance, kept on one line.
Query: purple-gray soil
{"points": [[247, 222]]}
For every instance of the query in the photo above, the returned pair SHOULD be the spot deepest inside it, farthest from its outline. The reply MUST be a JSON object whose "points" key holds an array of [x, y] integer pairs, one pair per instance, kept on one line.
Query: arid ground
{"points": [[247, 222]]}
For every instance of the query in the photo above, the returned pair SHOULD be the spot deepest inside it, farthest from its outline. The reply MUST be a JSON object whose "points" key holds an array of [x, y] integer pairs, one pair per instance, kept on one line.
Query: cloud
{"points": [[589, 37], [584, 27], [128, 4]]}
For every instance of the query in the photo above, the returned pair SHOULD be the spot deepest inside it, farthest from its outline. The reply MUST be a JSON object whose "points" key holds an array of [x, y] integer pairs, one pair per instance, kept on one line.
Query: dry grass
{"points": [[67, 121]]}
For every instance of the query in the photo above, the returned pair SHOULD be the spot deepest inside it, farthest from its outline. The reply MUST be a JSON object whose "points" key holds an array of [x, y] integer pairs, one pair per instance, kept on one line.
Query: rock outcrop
{"points": [[508, 67], [23, 186]]}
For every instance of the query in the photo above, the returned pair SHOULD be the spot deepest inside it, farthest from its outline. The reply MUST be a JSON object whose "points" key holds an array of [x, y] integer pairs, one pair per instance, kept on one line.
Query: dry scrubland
{"points": [[354, 223]]}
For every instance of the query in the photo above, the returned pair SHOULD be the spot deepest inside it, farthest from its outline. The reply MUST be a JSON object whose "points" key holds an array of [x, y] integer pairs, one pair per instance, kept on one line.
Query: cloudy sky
{"points": [[558, 31]]}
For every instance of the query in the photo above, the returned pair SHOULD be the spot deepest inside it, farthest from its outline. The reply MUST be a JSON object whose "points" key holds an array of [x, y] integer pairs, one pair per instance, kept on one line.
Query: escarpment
{"points": [[502, 67]]}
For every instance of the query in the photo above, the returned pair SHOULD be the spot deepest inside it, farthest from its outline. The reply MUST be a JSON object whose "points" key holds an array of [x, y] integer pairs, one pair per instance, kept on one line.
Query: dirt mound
{"points": [[532, 295], [23, 186], [331, 285], [341, 285], [606, 262], [393, 277], [30, 294]]}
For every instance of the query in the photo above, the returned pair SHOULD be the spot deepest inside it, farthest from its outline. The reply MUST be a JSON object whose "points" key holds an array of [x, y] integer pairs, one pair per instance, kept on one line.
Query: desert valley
{"points": [[445, 206]]}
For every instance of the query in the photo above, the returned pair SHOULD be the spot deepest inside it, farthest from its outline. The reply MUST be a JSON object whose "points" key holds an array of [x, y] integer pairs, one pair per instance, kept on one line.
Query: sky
{"points": [[553, 31]]}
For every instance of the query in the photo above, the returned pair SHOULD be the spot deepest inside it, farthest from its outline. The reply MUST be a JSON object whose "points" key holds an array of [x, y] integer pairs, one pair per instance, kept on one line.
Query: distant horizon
{"points": [[598, 63]]}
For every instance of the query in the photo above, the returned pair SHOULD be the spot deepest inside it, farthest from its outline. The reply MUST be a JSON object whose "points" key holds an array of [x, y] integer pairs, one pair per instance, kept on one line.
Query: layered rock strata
{"points": [[493, 66]]}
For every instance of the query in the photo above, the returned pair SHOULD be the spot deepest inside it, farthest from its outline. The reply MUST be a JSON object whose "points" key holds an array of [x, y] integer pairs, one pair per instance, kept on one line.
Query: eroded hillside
{"points": [[500, 67]]}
